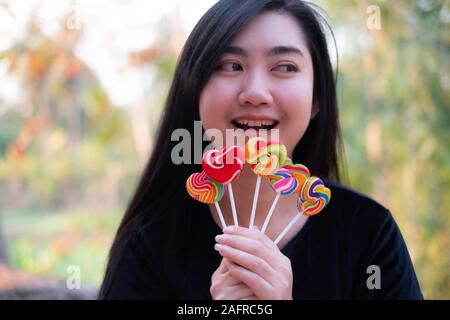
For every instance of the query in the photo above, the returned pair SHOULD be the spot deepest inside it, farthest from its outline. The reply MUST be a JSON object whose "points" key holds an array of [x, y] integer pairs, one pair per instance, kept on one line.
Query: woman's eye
{"points": [[230, 66], [286, 68]]}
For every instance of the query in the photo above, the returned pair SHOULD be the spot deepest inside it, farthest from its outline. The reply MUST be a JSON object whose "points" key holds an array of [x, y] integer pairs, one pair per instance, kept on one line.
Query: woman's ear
{"points": [[315, 109]]}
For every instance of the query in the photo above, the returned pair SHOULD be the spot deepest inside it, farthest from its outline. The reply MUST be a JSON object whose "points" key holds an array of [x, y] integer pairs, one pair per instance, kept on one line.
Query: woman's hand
{"points": [[255, 260], [226, 287]]}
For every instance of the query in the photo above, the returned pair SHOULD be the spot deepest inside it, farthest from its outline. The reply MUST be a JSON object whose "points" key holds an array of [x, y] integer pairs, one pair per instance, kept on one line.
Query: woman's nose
{"points": [[255, 92]]}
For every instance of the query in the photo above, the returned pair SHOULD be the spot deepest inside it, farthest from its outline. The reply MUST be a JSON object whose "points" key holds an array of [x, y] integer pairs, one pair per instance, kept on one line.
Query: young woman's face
{"points": [[264, 80]]}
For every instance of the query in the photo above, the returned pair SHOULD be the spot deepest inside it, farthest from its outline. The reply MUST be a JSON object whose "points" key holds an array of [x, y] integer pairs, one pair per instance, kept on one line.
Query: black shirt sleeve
{"points": [[134, 271], [381, 251]]}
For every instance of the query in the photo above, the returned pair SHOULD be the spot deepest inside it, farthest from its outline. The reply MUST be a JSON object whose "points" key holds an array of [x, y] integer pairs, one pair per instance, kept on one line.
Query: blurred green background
{"points": [[80, 99]]}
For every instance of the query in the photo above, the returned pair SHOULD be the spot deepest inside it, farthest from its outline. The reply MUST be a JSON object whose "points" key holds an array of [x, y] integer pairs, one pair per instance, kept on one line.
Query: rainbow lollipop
{"points": [[264, 158], [314, 196], [204, 189], [299, 171], [284, 183]]}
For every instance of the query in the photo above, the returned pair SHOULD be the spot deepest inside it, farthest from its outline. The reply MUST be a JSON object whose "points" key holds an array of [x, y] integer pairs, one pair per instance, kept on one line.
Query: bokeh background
{"points": [[82, 85]]}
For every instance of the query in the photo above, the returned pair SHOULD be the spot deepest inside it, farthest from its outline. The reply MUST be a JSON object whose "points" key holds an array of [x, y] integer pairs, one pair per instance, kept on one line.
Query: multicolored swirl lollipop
{"points": [[299, 171], [284, 183], [264, 157], [314, 196], [204, 189]]}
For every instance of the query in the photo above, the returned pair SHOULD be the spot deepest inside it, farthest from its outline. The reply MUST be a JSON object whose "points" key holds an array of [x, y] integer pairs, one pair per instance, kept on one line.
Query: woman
{"points": [[256, 64]]}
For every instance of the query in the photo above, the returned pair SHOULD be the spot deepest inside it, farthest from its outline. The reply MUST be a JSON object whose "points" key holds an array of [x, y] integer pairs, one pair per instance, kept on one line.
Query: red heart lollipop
{"points": [[224, 166]]}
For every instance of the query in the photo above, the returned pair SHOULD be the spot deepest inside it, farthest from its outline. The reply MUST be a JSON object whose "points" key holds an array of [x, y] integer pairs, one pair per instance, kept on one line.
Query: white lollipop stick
{"points": [[269, 215], [222, 220], [233, 205], [283, 233], [255, 201]]}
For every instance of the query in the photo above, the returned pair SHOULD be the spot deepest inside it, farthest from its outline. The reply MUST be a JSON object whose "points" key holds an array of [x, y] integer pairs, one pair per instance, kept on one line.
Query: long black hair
{"points": [[160, 197]]}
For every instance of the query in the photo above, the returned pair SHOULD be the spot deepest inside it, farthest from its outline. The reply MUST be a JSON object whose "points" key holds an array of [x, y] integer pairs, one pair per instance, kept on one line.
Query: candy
{"points": [[265, 166], [314, 196], [224, 166], [300, 172], [264, 157], [283, 182], [203, 189], [252, 148], [276, 148]]}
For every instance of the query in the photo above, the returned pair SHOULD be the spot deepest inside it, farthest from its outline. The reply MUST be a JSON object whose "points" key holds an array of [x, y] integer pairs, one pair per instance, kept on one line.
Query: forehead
{"points": [[271, 29]]}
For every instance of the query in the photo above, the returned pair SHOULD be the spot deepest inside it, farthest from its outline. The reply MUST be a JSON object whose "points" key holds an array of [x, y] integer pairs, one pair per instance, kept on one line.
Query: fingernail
{"points": [[219, 237], [218, 247]]}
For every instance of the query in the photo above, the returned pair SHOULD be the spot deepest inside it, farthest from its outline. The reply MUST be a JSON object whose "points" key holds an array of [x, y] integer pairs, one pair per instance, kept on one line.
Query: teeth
{"points": [[255, 123]]}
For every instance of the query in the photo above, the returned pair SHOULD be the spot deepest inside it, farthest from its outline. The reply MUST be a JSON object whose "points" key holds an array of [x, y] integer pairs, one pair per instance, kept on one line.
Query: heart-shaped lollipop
{"points": [[224, 166], [264, 157], [203, 189], [283, 182], [252, 148], [299, 171], [313, 197], [277, 149], [265, 165]]}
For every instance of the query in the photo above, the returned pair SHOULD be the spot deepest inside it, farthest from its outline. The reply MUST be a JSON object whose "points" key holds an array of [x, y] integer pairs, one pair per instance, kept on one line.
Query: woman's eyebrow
{"points": [[271, 52], [284, 49]]}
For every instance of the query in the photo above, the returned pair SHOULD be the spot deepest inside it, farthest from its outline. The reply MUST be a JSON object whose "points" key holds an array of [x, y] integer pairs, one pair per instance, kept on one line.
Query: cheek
{"points": [[296, 102], [215, 101]]}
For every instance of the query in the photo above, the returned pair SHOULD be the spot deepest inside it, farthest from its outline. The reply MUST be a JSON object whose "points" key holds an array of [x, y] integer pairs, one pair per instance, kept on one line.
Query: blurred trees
{"points": [[63, 133], [63, 144], [395, 113]]}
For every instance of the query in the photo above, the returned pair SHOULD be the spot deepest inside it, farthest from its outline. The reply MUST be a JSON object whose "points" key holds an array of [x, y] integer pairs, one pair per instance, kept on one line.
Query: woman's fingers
{"points": [[257, 285], [254, 259], [246, 260], [226, 287], [253, 233], [223, 266], [223, 274], [249, 245], [235, 292]]}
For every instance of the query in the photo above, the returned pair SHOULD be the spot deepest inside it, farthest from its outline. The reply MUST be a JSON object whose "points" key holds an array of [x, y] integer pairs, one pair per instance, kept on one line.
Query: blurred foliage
{"points": [[47, 244], [394, 100], [64, 145]]}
